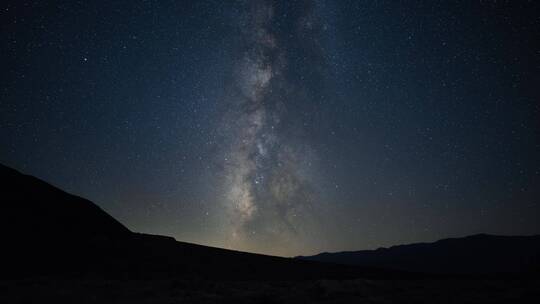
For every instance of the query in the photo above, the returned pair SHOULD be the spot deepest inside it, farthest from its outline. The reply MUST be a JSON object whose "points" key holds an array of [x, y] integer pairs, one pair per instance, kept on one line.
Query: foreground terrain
{"points": [[88, 290]]}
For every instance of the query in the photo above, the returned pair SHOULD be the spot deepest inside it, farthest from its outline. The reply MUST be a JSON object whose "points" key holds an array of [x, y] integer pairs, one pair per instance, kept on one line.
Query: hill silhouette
{"points": [[50, 231], [36, 210], [476, 254]]}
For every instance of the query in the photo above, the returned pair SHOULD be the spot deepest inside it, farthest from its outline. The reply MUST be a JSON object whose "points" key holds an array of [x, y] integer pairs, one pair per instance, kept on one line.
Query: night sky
{"points": [[283, 128]]}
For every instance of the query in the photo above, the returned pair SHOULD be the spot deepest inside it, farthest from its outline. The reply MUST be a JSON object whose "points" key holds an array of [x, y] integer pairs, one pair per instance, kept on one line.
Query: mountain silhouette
{"points": [[476, 254], [48, 231], [36, 210], [60, 246]]}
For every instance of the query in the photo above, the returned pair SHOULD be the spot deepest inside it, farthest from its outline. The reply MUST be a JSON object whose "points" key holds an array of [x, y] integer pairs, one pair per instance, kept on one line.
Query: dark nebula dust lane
{"points": [[280, 127]]}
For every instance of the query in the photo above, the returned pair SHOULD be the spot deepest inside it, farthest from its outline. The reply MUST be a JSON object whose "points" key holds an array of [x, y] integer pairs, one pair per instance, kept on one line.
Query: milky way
{"points": [[267, 171]]}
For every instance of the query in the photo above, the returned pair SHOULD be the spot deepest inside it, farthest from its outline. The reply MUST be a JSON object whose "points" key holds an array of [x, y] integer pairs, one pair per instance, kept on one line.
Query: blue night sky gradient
{"points": [[285, 128]]}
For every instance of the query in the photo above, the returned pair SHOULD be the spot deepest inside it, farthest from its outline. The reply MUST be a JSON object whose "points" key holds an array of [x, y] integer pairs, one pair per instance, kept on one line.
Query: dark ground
{"points": [[88, 290]]}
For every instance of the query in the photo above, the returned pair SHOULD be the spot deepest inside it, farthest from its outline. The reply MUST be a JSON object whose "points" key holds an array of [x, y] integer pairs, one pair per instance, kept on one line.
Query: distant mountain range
{"points": [[476, 254], [48, 231]]}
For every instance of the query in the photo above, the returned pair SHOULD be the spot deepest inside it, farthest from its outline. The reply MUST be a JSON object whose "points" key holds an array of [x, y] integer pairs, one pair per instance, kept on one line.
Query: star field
{"points": [[280, 127]]}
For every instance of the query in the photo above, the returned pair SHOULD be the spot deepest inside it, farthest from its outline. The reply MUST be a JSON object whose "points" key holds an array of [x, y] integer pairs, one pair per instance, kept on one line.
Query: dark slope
{"points": [[48, 231], [477, 254], [34, 209]]}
